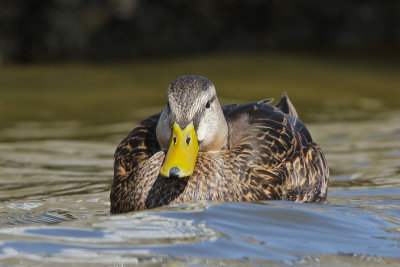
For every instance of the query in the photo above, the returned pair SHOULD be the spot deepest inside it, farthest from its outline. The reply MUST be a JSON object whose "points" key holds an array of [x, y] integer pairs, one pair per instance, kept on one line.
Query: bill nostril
{"points": [[174, 172]]}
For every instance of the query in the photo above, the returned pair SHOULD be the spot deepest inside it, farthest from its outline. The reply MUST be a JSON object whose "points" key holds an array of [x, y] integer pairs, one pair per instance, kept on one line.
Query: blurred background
{"points": [[70, 30], [106, 60]]}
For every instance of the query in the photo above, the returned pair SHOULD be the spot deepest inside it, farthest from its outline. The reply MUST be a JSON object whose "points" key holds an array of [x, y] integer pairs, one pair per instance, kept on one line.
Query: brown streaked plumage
{"points": [[247, 152]]}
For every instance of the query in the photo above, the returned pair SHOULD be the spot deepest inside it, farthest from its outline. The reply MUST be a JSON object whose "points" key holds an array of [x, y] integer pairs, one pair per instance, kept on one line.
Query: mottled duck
{"points": [[194, 149]]}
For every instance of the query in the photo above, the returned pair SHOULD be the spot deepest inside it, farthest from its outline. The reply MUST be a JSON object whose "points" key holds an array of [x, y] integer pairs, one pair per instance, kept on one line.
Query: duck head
{"points": [[192, 121]]}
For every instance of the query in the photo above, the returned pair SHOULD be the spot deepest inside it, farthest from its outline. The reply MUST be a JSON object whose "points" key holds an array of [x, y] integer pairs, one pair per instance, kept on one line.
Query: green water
{"points": [[60, 124], [97, 93]]}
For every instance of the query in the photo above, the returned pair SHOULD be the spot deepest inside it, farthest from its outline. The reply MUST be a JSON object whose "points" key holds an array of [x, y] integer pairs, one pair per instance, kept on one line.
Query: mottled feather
{"points": [[270, 156]]}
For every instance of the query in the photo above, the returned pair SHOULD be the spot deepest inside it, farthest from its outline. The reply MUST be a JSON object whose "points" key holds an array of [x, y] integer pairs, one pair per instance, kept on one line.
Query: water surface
{"points": [[60, 125]]}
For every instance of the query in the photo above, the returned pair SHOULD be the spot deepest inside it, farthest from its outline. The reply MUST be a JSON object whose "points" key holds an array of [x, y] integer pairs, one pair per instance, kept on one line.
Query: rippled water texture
{"points": [[57, 142]]}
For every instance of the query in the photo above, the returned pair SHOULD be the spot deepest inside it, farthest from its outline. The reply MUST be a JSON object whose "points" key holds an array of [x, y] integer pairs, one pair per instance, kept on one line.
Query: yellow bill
{"points": [[182, 152]]}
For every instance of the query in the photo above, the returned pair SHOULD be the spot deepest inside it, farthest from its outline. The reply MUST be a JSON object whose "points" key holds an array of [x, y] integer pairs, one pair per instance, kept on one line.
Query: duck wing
{"points": [[130, 156], [280, 158]]}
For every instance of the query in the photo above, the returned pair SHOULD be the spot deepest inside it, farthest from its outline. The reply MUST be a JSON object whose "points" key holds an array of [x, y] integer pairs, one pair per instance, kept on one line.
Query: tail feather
{"points": [[286, 106]]}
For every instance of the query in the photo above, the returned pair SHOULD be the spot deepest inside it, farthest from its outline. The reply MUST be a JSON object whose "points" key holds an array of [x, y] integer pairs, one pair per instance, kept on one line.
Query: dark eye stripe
{"points": [[208, 104]]}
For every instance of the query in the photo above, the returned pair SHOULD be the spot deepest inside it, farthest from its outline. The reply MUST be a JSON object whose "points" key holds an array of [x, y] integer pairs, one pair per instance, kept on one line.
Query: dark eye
{"points": [[208, 104]]}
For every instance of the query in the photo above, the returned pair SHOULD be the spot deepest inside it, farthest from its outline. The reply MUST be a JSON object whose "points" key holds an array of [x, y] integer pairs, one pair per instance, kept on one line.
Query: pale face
{"points": [[203, 110]]}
